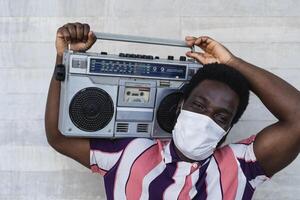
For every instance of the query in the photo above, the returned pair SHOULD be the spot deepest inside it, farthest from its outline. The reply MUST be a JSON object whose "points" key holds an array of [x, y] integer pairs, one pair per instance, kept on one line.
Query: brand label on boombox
{"points": [[125, 95]]}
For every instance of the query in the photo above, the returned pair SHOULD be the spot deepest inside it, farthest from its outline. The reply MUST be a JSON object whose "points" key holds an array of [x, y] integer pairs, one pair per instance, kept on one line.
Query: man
{"points": [[191, 165]]}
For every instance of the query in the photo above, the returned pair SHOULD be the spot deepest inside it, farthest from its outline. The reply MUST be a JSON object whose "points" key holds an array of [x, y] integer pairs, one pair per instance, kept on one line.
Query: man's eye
{"points": [[221, 120], [199, 105]]}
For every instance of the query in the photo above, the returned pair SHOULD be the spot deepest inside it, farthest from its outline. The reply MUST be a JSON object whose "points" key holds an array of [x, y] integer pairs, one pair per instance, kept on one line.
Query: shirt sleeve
{"points": [[248, 163], [105, 153]]}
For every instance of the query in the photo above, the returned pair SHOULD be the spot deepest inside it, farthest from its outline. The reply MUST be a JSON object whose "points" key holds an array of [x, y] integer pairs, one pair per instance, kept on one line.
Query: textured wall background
{"points": [[265, 32]]}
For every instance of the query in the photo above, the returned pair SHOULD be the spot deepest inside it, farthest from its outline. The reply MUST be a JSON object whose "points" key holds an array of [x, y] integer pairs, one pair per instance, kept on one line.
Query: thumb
{"points": [[197, 56], [90, 41]]}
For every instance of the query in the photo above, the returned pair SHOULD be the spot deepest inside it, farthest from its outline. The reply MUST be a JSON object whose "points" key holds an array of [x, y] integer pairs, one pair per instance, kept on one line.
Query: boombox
{"points": [[125, 95]]}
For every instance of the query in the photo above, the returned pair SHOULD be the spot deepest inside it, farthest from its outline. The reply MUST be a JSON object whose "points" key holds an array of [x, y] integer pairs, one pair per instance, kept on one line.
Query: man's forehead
{"points": [[215, 92]]}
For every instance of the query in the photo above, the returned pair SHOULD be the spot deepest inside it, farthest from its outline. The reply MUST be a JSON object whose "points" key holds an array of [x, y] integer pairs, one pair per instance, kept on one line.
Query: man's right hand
{"points": [[77, 35], [214, 52]]}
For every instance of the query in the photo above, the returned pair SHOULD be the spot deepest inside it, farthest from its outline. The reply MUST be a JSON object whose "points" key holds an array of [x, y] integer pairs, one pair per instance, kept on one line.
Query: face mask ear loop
{"points": [[178, 112], [228, 130], [181, 105]]}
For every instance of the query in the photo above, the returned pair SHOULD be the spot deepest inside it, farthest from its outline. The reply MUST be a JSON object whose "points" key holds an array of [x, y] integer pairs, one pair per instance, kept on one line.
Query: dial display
{"points": [[133, 68]]}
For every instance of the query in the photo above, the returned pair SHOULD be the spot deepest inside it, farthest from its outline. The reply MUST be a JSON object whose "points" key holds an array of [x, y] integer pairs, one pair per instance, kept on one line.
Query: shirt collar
{"points": [[170, 156]]}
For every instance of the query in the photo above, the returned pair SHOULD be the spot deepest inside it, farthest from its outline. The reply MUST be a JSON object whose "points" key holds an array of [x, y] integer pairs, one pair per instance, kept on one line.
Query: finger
{"points": [[190, 40], [200, 41], [86, 30], [205, 43], [72, 30], [79, 31], [203, 40], [91, 40], [197, 56], [59, 32], [62, 32], [190, 43]]}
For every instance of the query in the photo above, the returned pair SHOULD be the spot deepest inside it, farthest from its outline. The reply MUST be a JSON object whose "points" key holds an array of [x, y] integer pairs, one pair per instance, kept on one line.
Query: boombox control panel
{"points": [[137, 68], [133, 65]]}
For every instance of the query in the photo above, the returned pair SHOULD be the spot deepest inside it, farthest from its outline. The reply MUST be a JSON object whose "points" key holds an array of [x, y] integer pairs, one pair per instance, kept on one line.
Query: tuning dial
{"points": [[170, 57]]}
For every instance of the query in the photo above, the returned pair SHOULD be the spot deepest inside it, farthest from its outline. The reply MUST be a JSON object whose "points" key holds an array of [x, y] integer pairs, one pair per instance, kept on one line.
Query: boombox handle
{"points": [[143, 40]]}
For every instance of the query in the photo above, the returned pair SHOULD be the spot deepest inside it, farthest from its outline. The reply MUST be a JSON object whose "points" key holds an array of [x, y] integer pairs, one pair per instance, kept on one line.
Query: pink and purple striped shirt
{"points": [[140, 168]]}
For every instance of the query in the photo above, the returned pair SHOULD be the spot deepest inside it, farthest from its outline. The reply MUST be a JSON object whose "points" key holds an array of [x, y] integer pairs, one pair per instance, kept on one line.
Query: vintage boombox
{"points": [[125, 95]]}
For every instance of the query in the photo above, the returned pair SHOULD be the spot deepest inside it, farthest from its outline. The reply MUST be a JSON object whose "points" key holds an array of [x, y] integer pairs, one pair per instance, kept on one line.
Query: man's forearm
{"points": [[52, 107], [278, 96]]}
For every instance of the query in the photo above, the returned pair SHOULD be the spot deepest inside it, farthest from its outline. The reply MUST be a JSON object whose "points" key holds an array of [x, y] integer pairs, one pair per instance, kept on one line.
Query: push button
{"points": [[122, 55], [182, 58], [195, 165], [149, 57], [170, 57]]}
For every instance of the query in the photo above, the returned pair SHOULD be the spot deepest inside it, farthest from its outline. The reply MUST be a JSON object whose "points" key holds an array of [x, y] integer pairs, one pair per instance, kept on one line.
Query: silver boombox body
{"points": [[123, 95]]}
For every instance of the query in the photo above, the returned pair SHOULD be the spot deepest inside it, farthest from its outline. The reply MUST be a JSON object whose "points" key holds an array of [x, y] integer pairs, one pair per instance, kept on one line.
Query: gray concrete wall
{"points": [[265, 32]]}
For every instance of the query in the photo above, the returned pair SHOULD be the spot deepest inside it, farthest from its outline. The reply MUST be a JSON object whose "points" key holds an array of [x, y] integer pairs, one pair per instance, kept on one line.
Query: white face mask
{"points": [[196, 136]]}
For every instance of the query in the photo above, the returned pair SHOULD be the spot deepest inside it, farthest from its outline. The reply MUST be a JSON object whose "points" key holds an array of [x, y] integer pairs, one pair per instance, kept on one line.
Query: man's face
{"points": [[215, 100]]}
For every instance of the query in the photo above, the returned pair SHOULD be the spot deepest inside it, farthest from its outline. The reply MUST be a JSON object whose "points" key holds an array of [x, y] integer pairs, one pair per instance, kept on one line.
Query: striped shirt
{"points": [[140, 168]]}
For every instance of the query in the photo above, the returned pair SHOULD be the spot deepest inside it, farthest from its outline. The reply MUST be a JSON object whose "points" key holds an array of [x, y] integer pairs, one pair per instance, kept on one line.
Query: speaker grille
{"points": [[166, 113], [122, 127], [142, 128], [91, 109]]}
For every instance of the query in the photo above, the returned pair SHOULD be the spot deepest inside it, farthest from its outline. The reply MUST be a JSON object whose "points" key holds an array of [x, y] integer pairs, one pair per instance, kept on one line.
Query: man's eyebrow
{"points": [[225, 111], [202, 98], [220, 109]]}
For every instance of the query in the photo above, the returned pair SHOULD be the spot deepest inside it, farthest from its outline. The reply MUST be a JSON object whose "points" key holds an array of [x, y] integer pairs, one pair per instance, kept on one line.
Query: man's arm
{"points": [[81, 39], [277, 145]]}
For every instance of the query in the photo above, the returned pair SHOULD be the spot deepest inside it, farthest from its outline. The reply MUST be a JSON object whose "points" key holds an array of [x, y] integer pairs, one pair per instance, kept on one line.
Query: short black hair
{"points": [[225, 74]]}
